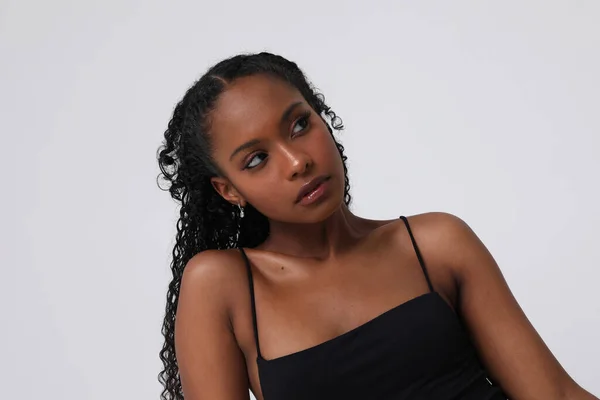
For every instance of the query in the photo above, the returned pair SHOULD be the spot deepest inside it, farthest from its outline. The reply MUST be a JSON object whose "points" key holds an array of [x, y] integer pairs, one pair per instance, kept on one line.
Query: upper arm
{"points": [[211, 364], [509, 346]]}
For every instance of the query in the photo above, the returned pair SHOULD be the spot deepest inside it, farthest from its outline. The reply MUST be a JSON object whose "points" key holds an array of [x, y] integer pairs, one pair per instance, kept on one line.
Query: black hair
{"points": [[206, 220]]}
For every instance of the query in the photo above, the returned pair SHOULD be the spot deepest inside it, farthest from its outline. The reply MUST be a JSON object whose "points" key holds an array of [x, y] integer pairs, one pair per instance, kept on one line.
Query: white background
{"points": [[488, 111]]}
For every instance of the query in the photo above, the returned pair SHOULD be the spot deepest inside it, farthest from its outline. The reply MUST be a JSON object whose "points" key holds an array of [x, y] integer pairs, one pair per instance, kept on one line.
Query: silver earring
{"points": [[241, 211]]}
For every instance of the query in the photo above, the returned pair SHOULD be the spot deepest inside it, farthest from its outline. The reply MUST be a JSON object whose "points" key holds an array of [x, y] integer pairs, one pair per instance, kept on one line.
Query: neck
{"points": [[322, 240]]}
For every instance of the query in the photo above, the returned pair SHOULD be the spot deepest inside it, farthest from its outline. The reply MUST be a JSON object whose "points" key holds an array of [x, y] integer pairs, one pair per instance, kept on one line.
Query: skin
{"points": [[329, 268]]}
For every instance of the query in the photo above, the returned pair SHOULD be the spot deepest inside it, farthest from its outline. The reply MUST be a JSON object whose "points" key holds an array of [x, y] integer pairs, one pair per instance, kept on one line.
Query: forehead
{"points": [[250, 105]]}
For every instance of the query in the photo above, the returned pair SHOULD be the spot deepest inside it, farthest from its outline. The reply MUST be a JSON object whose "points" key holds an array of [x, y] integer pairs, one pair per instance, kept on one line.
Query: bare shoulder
{"points": [[436, 222], [439, 231], [215, 277], [450, 244], [433, 230], [213, 267], [210, 273], [440, 238], [211, 362]]}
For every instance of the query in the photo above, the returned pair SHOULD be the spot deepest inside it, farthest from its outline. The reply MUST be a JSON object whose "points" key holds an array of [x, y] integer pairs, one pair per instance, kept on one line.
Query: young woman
{"points": [[278, 287]]}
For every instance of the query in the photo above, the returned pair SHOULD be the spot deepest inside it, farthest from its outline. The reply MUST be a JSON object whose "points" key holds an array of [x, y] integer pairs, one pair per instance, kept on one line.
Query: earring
{"points": [[241, 211]]}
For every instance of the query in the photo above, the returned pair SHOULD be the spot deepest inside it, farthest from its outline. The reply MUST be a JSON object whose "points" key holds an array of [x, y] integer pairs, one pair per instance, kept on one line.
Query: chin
{"points": [[325, 210]]}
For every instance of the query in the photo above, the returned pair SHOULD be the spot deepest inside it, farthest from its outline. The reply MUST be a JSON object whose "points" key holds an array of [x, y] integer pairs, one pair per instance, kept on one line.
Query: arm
{"points": [[211, 365], [510, 348]]}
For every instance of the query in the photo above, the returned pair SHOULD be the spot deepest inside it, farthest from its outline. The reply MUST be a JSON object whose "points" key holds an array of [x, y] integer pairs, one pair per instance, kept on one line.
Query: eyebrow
{"points": [[284, 117]]}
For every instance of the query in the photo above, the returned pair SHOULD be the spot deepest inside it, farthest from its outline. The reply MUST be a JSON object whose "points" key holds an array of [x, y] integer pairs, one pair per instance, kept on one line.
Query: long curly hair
{"points": [[206, 220]]}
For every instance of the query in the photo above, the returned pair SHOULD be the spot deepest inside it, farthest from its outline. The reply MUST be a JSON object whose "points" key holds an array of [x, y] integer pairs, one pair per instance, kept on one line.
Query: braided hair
{"points": [[206, 220]]}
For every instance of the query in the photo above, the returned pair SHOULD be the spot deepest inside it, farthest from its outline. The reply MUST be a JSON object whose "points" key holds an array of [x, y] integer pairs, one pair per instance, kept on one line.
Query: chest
{"points": [[419, 341], [294, 314]]}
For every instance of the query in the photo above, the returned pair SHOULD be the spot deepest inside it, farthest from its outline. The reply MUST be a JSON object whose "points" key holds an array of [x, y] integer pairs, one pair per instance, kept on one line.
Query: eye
{"points": [[301, 123], [252, 163]]}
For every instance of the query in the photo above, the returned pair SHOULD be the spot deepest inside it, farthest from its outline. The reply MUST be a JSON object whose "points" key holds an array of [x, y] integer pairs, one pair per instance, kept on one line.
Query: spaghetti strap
{"points": [[252, 300], [421, 262]]}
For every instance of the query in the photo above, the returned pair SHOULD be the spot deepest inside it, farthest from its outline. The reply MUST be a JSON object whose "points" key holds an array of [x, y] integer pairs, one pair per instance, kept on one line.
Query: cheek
{"points": [[333, 161], [267, 201], [329, 152]]}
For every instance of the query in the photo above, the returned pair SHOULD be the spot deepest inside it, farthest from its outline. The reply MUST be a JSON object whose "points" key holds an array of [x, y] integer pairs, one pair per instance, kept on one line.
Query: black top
{"points": [[416, 350]]}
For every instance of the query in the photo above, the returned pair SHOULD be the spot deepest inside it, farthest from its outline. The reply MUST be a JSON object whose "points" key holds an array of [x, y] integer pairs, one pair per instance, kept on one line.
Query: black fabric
{"points": [[418, 350]]}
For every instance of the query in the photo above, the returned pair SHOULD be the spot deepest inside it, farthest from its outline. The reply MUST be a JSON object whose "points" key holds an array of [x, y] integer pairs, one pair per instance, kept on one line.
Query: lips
{"points": [[310, 186]]}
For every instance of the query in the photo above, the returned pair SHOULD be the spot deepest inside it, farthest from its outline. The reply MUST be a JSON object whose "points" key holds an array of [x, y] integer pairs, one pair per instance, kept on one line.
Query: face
{"points": [[269, 142]]}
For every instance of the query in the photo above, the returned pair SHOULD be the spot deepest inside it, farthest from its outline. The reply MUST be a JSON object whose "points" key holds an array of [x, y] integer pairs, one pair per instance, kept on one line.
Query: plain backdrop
{"points": [[487, 110]]}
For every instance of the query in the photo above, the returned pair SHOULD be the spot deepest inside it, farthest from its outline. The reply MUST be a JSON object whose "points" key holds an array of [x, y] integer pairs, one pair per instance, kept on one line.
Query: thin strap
{"points": [[414, 242], [252, 301]]}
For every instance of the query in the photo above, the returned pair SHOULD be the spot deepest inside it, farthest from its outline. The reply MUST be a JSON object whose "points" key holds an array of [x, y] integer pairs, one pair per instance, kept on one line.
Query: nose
{"points": [[298, 161]]}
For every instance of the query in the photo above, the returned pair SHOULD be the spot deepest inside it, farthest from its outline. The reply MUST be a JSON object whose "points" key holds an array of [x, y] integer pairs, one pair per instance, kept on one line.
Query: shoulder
{"points": [[436, 229], [437, 222], [445, 240], [207, 348], [439, 226], [213, 265], [449, 242], [213, 276]]}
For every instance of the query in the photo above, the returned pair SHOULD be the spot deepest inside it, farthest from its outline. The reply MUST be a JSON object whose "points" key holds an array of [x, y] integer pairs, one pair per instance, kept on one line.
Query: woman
{"points": [[278, 287]]}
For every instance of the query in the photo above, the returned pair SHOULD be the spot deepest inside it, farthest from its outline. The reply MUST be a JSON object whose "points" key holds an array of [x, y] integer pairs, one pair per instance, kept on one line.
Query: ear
{"points": [[226, 190]]}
